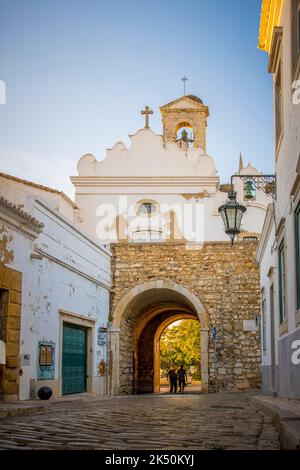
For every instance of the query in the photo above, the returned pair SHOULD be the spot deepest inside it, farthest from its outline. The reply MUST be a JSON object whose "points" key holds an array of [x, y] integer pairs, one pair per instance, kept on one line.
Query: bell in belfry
{"points": [[249, 190], [184, 135]]}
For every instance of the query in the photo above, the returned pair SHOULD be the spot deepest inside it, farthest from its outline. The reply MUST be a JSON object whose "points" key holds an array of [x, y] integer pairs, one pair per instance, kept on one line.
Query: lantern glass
{"points": [[232, 213]]}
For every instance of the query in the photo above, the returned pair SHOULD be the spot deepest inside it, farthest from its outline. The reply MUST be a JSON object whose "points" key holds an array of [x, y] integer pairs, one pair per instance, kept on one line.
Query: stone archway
{"points": [[139, 305]]}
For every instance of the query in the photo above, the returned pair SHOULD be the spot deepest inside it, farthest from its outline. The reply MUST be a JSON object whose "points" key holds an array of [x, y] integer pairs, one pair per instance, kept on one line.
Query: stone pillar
{"points": [[114, 360], [204, 339]]}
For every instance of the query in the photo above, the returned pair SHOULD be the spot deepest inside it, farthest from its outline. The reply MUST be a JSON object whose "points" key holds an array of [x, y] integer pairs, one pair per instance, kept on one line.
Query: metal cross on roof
{"points": [[184, 79], [146, 112]]}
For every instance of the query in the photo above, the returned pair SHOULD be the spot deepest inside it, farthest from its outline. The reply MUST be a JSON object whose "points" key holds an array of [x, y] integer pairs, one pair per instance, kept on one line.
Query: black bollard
{"points": [[45, 393]]}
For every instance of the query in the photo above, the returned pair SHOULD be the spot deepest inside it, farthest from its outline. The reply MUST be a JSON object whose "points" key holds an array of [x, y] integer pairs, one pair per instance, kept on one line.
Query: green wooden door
{"points": [[73, 360]]}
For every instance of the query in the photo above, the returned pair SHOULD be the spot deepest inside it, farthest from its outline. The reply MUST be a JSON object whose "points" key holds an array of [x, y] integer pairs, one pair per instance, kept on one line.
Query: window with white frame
{"points": [[297, 241], [264, 325], [281, 275], [296, 36], [278, 102]]}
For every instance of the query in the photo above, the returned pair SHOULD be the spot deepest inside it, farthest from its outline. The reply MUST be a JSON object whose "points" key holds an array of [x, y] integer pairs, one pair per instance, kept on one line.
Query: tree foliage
{"points": [[180, 344]]}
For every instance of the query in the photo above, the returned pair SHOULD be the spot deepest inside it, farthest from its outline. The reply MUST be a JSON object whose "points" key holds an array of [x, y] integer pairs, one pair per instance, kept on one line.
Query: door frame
{"points": [[272, 335], [84, 330], [89, 325]]}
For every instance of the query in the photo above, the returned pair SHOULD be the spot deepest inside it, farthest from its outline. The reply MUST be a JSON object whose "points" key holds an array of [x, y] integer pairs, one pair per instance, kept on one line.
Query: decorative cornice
{"points": [[144, 181], [197, 102], [270, 17]]}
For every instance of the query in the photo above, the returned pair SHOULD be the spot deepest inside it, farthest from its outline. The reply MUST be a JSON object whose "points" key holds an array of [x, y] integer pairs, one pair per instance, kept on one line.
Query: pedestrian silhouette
{"points": [[172, 378], [182, 378]]}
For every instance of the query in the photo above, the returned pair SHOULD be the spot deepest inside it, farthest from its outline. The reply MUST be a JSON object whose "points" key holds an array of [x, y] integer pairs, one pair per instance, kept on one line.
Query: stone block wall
{"points": [[224, 278]]}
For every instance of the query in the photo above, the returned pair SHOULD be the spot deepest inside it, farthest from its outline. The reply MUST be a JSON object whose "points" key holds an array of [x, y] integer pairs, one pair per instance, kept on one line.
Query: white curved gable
{"points": [[148, 156]]}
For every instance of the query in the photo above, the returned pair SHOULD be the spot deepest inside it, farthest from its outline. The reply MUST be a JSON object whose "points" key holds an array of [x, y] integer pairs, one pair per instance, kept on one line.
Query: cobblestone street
{"points": [[217, 421]]}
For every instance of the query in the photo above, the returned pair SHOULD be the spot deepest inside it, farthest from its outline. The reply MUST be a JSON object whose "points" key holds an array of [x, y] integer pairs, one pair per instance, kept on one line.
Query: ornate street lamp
{"points": [[232, 213]]}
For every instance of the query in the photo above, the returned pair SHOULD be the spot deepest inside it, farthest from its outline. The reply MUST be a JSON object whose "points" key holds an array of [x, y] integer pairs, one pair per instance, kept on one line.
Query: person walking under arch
{"points": [[182, 378], [172, 378]]}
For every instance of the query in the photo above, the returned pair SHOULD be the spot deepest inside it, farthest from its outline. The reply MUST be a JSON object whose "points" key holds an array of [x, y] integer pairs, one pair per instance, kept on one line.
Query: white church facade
{"points": [[163, 187]]}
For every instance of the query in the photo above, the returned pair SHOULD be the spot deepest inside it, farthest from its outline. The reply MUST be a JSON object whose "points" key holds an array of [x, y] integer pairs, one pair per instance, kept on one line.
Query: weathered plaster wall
{"points": [[63, 273], [73, 277]]}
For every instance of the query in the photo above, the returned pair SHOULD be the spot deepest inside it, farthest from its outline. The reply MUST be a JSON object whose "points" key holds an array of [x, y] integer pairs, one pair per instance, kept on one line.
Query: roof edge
{"points": [[39, 186]]}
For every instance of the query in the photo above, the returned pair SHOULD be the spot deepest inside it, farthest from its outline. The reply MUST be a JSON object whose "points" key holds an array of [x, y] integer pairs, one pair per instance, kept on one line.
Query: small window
{"points": [[45, 355], [282, 300], [278, 103], [264, 325], [147, 208], [297, 240]]}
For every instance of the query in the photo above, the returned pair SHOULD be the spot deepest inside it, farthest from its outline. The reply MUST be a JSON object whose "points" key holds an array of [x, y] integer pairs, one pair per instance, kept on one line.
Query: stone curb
{"points": [[21, 411], [14, 410], [286, 423]]}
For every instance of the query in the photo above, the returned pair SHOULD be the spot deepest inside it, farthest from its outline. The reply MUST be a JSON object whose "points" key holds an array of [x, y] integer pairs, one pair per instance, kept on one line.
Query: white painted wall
{"points": [[152, 170], [73, 276], [286, 160]]}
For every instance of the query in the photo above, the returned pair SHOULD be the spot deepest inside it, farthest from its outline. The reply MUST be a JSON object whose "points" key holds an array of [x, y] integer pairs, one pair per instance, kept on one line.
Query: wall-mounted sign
{"points": [[250, 325], [25, 359], [102, 335]]}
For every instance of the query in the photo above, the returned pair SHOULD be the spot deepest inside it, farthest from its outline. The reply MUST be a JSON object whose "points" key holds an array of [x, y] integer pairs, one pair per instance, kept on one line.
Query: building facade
{"points": [[54, 296], [278, 252], [156, 205]]}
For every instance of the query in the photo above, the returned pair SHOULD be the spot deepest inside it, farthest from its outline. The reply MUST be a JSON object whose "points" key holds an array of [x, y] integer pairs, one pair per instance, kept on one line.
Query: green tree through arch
{"points": [[180, 344]]}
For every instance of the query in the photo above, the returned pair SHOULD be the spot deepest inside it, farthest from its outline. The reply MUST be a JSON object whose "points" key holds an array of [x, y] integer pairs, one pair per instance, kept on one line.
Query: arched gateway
{"points": [[138, 321]]}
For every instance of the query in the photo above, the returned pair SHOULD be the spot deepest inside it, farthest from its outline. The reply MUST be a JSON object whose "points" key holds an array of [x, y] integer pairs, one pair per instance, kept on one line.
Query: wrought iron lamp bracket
{"points": [[265, 183]]}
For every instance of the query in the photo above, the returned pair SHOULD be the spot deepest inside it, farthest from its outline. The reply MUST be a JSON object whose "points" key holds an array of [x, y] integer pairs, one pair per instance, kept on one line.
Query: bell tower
{"points": [[186, 114]]}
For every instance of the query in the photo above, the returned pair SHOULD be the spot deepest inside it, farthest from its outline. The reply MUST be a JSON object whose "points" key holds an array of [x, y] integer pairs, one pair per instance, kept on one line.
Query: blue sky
{"points": [[78, 72]]}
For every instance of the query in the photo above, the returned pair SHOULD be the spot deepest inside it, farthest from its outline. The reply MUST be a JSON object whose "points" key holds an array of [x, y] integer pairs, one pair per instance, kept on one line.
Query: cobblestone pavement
{"points": [[216, 421]]}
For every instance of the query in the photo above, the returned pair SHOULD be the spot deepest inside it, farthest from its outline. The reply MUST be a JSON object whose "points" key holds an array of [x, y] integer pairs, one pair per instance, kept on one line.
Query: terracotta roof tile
{"points": [[9, 205]]}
